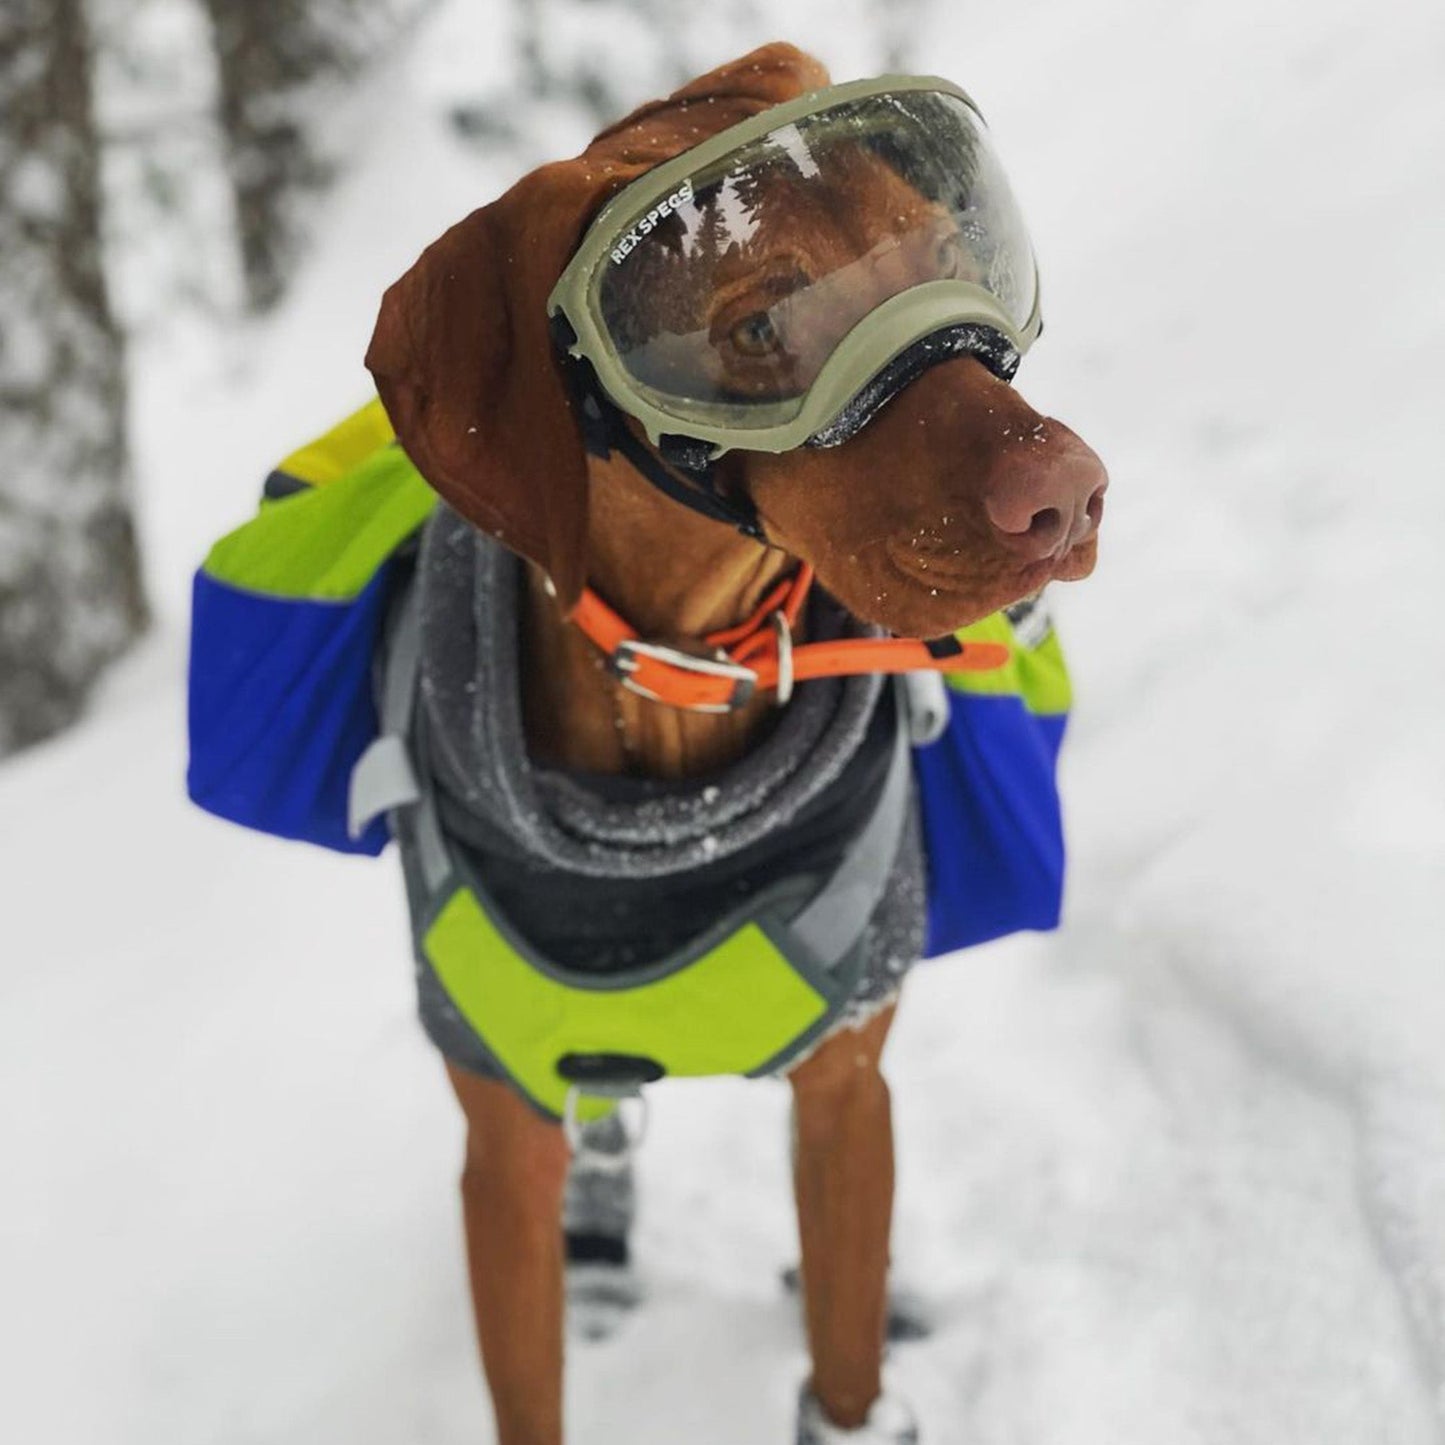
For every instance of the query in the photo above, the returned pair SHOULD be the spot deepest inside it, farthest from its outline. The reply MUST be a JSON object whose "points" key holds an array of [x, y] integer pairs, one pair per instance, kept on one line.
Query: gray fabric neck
{"points": [[471, 697]]}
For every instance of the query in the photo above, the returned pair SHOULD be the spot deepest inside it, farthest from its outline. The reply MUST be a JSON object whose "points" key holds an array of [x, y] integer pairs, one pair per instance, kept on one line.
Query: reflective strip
{"points": [[398, 707], [382, 779], [403, 667], [834, 920], [393, 781], [432, 852]]}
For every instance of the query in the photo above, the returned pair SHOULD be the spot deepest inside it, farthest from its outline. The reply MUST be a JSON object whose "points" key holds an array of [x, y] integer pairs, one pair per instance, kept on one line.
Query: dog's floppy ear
{"points": [[461, 353], [464, 366]]}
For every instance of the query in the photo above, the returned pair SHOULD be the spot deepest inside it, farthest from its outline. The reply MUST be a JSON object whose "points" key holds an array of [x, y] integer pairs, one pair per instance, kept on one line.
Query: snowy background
{"points": [[1176, 1174]]}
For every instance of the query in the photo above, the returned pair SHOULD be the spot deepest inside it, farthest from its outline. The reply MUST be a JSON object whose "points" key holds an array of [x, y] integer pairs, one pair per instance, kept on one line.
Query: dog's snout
{"points": [[1048, 495]]}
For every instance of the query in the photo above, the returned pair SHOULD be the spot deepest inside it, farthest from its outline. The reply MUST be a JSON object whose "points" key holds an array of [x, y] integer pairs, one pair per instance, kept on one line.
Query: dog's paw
{"points": [[600, 1297], [889, 1422]]}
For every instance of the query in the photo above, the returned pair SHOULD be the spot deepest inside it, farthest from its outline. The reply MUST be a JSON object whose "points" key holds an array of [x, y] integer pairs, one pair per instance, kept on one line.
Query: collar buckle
{"points": [[632, 654]]}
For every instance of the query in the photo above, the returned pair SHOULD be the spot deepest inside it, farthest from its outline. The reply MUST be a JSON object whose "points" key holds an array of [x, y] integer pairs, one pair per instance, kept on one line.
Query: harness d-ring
{"points": [[606, 1163]]}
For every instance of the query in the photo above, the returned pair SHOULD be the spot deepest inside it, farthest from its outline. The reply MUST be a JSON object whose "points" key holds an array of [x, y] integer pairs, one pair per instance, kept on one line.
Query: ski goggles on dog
{"points": [[774, 286]]}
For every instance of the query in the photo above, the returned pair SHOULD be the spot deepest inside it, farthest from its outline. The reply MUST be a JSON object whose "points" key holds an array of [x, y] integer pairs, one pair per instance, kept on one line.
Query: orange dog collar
{"points": [[732, 665]]}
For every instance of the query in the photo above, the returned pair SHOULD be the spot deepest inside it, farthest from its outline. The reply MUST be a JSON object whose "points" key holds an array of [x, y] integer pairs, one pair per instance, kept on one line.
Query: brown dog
{"points": [[956, 500]]}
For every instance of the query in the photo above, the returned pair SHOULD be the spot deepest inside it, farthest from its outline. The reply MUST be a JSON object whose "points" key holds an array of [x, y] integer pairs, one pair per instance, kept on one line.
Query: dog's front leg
{"points": [[516, 1167], [843, 1179]]}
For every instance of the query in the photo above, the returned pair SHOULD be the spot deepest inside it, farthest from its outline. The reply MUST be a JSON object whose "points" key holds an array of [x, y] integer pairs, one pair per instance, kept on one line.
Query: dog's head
{"points": [[954, 500]]}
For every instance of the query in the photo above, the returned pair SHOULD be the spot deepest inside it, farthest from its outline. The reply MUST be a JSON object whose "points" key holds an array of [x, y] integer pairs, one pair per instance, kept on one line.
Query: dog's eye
{"points": [[949, 257], [755, 335]]}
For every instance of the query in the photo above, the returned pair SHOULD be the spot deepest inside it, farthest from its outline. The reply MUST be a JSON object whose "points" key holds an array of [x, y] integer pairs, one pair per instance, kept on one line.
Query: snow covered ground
{"points": [[1174, 1175]]}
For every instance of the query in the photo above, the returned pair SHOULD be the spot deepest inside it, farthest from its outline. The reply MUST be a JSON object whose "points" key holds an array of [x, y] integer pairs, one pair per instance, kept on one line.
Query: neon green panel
{"points": [[326, 545], [346, 445], [1038, 675], [728, 1013]]}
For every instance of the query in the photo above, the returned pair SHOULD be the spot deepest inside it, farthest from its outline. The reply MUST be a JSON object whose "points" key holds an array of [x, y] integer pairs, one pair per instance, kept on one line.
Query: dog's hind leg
{"points": [[516, 1167], [843, 1179]]}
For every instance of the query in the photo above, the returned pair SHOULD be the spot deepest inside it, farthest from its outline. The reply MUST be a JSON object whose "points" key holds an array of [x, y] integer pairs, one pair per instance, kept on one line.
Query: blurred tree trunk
{"points": [[171, 254], [537, 79], [900, 24], [601, 54], [281, 64], [70, 590], [269, 55]]}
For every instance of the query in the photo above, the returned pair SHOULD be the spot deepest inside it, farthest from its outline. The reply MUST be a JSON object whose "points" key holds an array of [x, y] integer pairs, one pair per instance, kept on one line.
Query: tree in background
{"points": [[602, 53], [70, 590], [279, 65], [595, 59], [899, 24], [172, 258]]}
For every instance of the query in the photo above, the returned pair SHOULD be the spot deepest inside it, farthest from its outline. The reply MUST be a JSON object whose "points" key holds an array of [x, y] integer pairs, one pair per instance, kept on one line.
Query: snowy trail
{"points": [[1176, 1174], [1121, 1212]]}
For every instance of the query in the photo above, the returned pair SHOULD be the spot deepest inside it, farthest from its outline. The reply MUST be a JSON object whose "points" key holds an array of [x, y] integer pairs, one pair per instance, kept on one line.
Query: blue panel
{"points": [[281, 708], [991, 822]]}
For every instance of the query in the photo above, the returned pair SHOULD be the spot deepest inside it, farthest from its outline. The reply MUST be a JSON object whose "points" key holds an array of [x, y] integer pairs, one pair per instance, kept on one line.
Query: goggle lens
{"points": [[733, 292]]}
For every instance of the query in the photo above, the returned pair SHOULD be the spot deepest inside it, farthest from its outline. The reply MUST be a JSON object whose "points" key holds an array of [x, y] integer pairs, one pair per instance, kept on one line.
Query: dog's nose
{"points": [[1046, 495]]}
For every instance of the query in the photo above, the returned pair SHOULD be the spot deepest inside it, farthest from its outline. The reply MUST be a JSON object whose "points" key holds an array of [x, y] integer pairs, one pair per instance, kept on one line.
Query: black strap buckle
{"points": [[604, 431]]}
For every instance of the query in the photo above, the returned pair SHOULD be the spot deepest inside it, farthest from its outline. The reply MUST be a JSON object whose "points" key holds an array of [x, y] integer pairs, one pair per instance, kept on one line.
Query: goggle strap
{"points": [[700, 494], [605, 431]]}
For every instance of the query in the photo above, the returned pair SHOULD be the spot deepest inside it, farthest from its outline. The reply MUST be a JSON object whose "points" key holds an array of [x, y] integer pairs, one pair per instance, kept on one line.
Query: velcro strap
{"points": [[382, 779], [835, 919]]}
